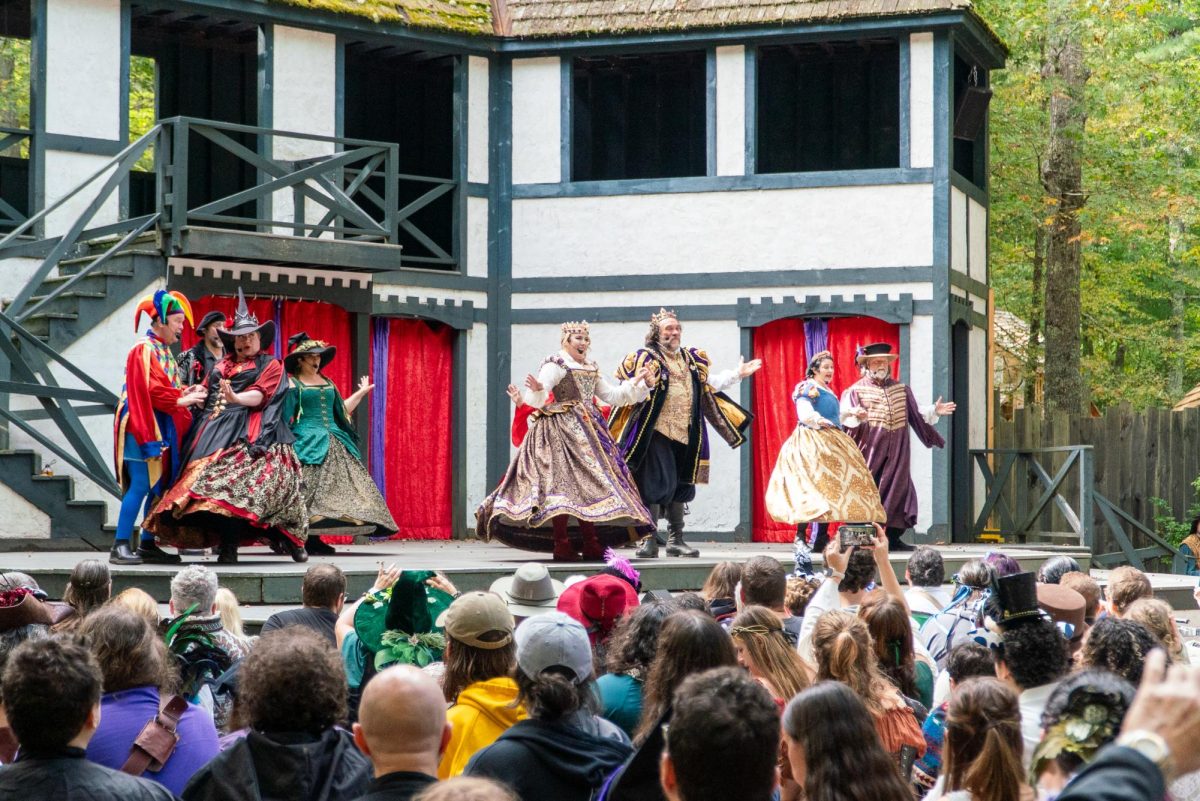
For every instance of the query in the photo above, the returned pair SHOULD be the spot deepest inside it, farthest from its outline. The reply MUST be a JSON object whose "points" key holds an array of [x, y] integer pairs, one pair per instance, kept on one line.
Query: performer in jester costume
{"points": [[152, 417]]}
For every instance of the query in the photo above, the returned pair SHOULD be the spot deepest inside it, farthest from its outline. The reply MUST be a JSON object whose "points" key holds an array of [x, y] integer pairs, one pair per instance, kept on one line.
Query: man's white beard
{"points": [[669, 348], [880, 374]]}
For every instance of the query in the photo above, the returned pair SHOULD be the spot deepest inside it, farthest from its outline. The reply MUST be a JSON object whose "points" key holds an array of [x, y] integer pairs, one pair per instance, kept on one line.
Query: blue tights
{"points": [[135, 498]]}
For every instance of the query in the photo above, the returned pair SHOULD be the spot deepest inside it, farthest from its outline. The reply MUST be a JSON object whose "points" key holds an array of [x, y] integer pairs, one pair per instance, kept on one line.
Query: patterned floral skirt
{"points": [[821, 476], [232, 491], [340, 488], [567, 465]]}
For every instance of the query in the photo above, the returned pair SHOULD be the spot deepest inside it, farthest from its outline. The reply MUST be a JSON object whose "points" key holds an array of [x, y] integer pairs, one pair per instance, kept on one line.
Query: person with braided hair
{"points": [[153, 415], [663, 438], [567, 471]]}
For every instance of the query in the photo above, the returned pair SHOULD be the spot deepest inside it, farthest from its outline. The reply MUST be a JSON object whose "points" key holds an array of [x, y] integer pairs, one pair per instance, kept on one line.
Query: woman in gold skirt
{"points": [[820, 475]]}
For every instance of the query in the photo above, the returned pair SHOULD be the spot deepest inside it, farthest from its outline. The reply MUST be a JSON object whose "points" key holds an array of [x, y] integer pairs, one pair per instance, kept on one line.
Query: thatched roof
{"points": [[554, 18], [530, 18], [1189, 401]]}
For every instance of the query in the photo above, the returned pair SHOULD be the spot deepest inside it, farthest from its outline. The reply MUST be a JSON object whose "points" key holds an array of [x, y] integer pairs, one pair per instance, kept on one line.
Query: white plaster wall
{"points": [[401, 292], [476, 425], [718, 504], [477, 119], [101, 354], [64, 173], [872, 226], [731, 110], [477, 236], [978, 403], [83, 98], [536, 121], [304, 80], [920, 99], [920, 366], [14, 274], [21, 519], [83, 68], [685, 297], [958, 230], [977, 240]]}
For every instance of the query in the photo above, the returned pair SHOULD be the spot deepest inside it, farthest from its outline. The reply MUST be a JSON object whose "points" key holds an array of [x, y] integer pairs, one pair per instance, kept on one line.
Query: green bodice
{"points": [[315, 414]]}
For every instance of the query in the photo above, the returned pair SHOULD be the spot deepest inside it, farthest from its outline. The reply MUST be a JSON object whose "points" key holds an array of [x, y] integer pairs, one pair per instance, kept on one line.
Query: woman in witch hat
{"points": [[336, 485], [241, 480]]}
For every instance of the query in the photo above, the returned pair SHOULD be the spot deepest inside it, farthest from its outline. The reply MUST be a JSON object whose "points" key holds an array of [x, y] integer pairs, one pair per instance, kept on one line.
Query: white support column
{"points": [[477, 166], [83, 100], [731, 110], [304, 99], [920, 99], [536, 121]]}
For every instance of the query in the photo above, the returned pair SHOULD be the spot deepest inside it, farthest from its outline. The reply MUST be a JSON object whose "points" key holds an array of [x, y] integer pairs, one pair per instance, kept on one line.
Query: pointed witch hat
{"points": [[246, 323]]}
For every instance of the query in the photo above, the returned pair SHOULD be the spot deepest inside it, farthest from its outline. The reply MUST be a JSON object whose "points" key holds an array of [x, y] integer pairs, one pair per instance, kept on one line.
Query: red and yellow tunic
{"points": [[148, 410]]}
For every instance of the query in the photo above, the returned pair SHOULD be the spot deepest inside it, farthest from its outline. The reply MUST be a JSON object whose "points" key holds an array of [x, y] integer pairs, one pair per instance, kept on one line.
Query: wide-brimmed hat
{"points": [[20, 607], [875, 350], [210, 318], [529, 591], [301, 344], [598, 603], [399, 624], [246, 323]]}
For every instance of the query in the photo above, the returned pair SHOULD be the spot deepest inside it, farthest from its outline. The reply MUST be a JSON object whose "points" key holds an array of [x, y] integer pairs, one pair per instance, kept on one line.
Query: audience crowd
{"points": [[1001, 685]]}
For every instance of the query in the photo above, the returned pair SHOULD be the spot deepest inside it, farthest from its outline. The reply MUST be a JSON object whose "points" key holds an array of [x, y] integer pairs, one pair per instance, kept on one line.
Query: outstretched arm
{"points": [[547, 378], [364, 388], [924, 430]]}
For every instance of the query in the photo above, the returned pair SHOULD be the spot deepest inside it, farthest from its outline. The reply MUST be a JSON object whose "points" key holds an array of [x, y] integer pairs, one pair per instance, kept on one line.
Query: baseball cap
{"points": [[553, 640], [479, 619]]}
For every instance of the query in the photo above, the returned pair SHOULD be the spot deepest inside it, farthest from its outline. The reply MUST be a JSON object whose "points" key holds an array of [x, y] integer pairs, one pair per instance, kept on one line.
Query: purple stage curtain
{"points": [[816, 337], [378, 398]]}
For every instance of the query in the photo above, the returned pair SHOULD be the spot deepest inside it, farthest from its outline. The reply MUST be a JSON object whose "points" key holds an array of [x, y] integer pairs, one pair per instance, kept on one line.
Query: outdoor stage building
{"points": [[435, 186]]}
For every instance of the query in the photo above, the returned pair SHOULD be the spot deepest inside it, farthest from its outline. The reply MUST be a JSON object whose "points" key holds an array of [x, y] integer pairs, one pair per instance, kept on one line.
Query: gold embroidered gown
{"points": [[820, 474], [567, 465]]}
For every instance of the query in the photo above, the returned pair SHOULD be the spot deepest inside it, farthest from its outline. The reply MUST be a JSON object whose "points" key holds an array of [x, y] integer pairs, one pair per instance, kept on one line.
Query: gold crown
{"points": [[662, 314], [575, 327]]}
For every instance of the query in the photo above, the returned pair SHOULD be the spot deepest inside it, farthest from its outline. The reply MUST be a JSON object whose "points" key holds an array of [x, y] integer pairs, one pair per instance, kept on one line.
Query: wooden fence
{"points": [[1137, 456]]}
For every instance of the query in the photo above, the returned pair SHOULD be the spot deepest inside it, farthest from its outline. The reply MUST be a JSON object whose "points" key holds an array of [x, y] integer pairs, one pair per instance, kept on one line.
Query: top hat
{"points": [[1066, 608], [246, 323], [302, 345], [1017, 597], [874, 351]]}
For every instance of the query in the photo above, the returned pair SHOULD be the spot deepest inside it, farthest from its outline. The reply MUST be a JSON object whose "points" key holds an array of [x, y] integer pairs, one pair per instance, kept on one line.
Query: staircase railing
{"points": [[10, 215], [1023, 491]]}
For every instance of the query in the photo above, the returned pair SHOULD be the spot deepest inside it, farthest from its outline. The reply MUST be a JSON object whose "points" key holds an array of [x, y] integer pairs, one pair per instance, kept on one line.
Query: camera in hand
{"points": [[856, 534]]}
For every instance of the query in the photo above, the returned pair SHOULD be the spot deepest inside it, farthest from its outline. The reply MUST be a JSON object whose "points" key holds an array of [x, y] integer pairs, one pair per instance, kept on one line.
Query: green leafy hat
{"points": [[399, 624]]}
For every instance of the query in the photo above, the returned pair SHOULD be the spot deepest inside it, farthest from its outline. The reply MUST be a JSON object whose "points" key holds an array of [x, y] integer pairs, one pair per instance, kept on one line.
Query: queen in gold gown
{"points": [[820, 475]]}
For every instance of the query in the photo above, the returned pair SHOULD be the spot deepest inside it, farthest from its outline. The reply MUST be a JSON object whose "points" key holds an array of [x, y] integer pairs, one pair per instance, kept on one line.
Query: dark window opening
{"points": [[969, 154], [829, 106], [204, 67], [407, 97], [638, 117], [14, 113]]}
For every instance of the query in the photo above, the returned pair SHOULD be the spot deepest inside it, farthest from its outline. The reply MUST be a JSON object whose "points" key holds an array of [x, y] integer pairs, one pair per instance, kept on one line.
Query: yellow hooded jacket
{"points": [[484, 711]]}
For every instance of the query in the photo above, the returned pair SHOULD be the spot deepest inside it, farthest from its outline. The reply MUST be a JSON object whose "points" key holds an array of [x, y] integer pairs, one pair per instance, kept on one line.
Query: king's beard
{"points": [[879, 375]]}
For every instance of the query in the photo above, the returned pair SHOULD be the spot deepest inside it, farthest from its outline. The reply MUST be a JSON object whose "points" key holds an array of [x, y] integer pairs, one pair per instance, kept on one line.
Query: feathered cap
{"points": [[246, 323], [161, 304], [575, 327], [301, 344]]}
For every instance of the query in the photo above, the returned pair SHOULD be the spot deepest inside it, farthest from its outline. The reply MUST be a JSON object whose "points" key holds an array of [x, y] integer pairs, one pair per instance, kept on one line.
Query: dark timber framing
{"points": [[943, 65], [499, 316]]}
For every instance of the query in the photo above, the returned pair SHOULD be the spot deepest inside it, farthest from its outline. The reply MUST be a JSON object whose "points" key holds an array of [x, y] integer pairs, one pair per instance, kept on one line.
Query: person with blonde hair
{"points": [[720, 589], [844, 650], [140, 602], [763, 649], [231, 616], [466, 788], [1158, 616]]}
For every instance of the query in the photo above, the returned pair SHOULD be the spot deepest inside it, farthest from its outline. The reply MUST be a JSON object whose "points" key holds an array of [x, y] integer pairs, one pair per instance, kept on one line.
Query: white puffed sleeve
{"points": [[724, 380], [549, 376], [621, 394], [806, 414], [929, 414]]}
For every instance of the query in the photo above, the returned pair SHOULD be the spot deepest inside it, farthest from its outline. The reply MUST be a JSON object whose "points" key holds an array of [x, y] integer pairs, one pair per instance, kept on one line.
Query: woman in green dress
{"points": [[336, 485]]}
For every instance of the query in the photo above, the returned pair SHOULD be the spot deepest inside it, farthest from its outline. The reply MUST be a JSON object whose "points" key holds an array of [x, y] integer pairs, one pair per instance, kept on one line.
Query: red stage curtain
{"points": [[846, 334], [332, 324], [262, 308], [420, 383], [781, 347]]}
